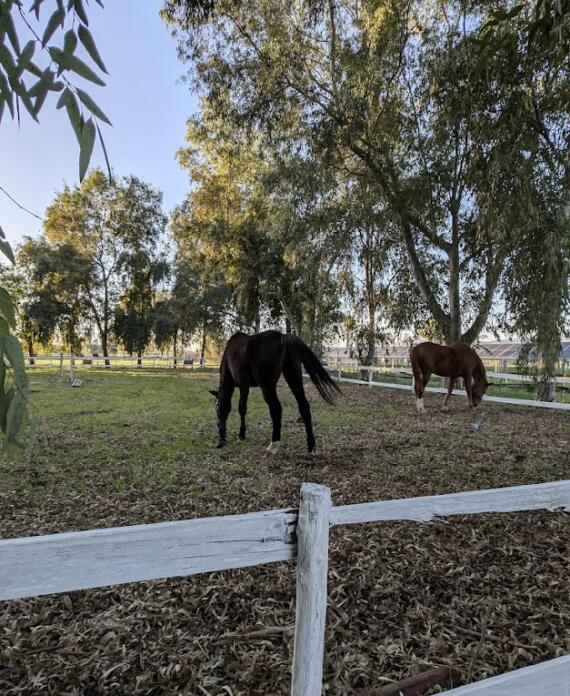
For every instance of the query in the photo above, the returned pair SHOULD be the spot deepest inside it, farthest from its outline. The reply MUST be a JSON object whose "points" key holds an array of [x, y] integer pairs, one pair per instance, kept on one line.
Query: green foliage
{"points": [[30, 71], [104, 236], [13, 378], [135, 315], [454, 114]]}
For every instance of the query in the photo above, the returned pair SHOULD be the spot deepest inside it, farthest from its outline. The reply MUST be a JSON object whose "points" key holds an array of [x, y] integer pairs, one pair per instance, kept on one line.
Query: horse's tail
{"points": [[295, 348]]}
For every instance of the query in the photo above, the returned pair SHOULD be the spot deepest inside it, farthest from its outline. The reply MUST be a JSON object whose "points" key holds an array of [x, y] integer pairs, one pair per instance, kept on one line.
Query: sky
{"points": [[144, 99]]}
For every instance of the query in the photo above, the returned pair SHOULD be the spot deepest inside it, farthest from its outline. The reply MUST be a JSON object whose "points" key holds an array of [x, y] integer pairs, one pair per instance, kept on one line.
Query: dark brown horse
{"points": [[259, 361], [453, 361]]}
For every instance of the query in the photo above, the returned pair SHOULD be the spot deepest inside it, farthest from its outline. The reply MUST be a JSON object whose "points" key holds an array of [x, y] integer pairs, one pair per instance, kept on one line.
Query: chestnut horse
{"points": [[259, 361], [453, 361]]}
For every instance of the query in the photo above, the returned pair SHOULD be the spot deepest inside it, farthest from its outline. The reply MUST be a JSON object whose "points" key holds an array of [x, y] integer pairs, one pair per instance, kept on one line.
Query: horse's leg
{"points": [[224, 408], [421, 385], [468, 384], [418, 385], [294, 378], [450, 386], [243, 394], [276, 411]]}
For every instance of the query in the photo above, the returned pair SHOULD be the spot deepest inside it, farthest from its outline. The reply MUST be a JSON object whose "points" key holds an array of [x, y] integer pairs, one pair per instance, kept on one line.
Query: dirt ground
{"points": [[128, 448]]}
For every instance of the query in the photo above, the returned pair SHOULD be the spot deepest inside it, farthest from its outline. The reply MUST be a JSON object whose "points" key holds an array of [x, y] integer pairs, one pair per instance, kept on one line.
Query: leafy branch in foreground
{"points": [[13, 379], [32, 69]]}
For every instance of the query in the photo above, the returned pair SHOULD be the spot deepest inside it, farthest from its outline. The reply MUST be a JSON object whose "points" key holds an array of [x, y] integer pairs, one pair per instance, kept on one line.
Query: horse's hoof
{"points": [[241, 436], [313, 453], [220, 445], [273, 447]]}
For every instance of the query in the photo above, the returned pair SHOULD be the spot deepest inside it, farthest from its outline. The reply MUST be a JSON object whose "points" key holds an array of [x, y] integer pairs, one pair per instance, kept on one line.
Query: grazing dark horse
{"points": [[453, 361], [259, 361]]}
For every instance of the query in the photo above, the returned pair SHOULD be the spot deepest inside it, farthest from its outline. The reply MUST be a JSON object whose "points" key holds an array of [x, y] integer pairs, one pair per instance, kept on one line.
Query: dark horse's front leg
{"points": [[243, 394], [224, 407]]}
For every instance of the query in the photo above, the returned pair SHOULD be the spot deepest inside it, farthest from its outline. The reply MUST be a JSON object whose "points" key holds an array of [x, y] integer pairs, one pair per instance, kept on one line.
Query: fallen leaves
{"points": [[403, 597]]}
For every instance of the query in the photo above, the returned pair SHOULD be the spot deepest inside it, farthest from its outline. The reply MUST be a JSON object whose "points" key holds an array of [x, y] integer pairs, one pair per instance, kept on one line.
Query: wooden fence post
{"points": [[71, 365], [312, 566], [370, 376], [61, 365]]}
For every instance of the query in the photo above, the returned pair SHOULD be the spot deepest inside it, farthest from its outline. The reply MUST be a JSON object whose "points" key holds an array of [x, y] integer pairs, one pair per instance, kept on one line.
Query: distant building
{"points": [[499, 350]]}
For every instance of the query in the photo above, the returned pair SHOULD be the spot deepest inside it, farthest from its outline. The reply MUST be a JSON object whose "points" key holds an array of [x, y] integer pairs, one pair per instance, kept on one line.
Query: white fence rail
{"points": [[336, 372], [77, 560], [65, 361]]}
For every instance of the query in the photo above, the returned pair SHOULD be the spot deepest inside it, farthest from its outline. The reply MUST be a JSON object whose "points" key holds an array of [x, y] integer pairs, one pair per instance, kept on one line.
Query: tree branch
{"points": [[491, 279]]}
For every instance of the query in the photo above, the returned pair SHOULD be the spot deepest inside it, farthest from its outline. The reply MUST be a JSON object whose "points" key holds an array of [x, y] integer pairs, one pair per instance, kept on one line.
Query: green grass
{"points": [[155, 430]]}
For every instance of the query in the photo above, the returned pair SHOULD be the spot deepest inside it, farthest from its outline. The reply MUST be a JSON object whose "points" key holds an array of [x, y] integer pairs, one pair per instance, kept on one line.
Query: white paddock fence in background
{"points": [[72, 362], [63, 361], [336, 372], [40, 565]]}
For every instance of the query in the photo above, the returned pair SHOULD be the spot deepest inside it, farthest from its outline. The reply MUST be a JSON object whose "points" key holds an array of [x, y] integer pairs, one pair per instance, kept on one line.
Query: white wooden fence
{"points": [[42, 565], [63, 361], [336, 372]]}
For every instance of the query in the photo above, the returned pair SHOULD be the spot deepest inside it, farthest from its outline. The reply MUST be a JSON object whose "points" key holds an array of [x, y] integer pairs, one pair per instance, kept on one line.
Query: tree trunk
{"points": [[453, 334], [105, 324], [104, 347], [31, 352], [139, 359], [203, 348], [371, 303], [174, 348], [546, 390]]}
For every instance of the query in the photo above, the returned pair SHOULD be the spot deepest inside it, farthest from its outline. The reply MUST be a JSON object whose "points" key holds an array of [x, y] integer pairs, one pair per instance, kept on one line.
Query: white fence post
{"points": [[71, 365], [370, 375], [312, 566]]}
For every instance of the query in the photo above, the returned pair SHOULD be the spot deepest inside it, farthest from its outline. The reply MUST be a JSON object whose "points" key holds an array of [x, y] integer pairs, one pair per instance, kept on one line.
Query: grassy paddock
{"points": [[137, 446]]}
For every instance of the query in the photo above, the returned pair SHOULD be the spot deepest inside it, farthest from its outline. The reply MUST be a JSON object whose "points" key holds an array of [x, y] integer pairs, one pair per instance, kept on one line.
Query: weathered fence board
{"points": [[541, 496], [311, 607], [551, 678], [40, 565], [35, 566]]}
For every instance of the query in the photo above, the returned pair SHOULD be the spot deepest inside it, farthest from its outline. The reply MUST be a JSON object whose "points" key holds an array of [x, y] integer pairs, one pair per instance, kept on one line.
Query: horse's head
{"points": [[479, 387]]}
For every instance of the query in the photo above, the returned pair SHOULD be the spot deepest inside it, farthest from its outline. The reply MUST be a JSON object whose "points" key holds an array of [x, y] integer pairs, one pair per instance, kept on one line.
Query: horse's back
{"points": [[249, 356], [445, 361]]}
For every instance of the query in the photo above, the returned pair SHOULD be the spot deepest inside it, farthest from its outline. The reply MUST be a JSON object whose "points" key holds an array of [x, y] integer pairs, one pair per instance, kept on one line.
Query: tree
{"points": [[197, 307], [225, 215], [111, 226], [135, 313], [39, 309], [397, 95], [202, 301]]}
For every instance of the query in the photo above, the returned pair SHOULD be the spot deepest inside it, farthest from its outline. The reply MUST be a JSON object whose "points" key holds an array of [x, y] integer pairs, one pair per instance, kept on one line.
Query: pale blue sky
{"points": [[147, 107]]}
